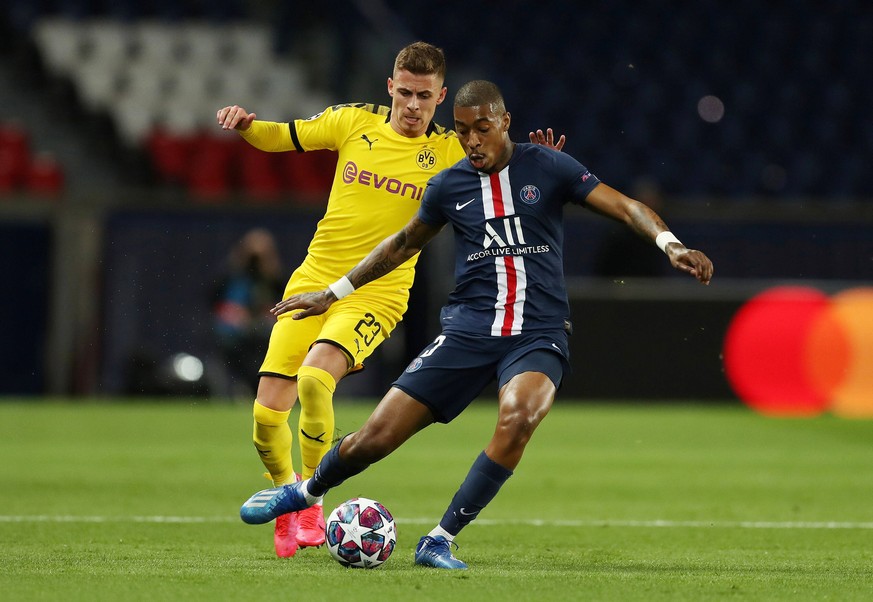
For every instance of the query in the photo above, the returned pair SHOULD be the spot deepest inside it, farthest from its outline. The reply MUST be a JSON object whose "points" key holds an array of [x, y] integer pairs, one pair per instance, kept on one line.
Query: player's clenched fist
{"points": [[235, 117]]}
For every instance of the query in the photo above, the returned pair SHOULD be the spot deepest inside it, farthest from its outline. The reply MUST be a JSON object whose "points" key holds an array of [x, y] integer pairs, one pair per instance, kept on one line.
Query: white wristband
{"points": [[665, 238], [341, 288]]}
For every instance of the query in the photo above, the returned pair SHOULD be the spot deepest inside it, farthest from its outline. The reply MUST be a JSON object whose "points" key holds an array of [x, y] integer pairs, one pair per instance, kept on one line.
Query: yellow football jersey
{"points": [[377, 188]]}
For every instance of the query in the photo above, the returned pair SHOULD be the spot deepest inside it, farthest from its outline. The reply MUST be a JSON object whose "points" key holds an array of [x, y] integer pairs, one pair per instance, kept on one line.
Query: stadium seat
{"points": [[308, 176], [157, 44], [14, 157], [14, 137], [61, 44], [45, 177], [284, 84], [11, 172], [205, 46], [147, 82], [191, 87], [210, 168], [258, 174], [170, 155], [180, 116], [98, 84], [236, 85], [107, 42], [248, 45], [134, 119]]}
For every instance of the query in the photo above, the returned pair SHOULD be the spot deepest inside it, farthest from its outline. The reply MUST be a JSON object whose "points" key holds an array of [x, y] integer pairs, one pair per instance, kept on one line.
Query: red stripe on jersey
{"points": [[497, 195], [511, 285]]}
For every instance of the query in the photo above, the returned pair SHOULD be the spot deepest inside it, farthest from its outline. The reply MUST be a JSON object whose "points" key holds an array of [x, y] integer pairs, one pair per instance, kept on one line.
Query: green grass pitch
{"points": [[139, 501]]}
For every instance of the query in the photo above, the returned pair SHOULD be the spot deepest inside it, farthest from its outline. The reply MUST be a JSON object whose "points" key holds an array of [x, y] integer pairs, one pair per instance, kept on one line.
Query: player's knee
{"points": [[307, 387], [275, 393], [315, 387], [518, 421], [516, 429]]}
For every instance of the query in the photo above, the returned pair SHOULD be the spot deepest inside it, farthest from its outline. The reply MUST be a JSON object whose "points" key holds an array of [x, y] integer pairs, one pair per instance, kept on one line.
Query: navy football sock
{"points": [[484, 480], [332, 471]]}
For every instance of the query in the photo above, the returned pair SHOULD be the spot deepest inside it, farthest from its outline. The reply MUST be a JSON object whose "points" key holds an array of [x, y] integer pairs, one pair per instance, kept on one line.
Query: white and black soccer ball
{"points": [[360, 533]]}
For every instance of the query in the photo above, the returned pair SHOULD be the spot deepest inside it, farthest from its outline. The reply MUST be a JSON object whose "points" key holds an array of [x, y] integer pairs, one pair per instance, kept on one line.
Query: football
{"points": [[360, 533]]}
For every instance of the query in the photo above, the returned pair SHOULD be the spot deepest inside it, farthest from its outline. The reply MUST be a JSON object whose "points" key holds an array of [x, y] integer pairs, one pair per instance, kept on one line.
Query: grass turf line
{"points": [[619, 464]]}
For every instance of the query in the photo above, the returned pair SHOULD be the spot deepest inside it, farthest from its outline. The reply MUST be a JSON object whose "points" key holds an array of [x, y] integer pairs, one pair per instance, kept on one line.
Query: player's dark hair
{"points": [[421, 58], [480, 92]]}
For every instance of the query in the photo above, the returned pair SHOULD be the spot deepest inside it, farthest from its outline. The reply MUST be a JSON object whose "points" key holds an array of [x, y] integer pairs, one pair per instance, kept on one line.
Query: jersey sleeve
{"points": [[268, 136], [326, 130], [430, 211], [580, 180]]}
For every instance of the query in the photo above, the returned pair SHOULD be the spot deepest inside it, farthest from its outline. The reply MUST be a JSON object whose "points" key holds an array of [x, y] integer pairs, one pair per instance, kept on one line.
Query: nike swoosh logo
{"points": [[459, 206], [556, 347], [319, 437], [468, 513]]}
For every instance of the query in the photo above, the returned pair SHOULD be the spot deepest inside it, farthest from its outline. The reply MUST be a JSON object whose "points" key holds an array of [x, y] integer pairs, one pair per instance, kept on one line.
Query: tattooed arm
{"points": [[391, 252], [649, 225]]}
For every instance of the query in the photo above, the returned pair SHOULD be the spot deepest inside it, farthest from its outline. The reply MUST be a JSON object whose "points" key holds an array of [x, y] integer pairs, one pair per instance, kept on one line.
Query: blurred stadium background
{"points": [[747, 124]]}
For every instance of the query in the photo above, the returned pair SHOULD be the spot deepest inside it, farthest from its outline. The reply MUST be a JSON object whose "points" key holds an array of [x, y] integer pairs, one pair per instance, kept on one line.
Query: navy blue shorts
{"points": [[453, 370]]}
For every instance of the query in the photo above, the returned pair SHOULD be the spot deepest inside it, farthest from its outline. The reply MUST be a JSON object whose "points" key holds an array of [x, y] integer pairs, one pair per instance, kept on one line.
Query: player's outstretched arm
{"points": [[235, 118], [648, 224], [547, 139], [390, 253], [267, 136]]}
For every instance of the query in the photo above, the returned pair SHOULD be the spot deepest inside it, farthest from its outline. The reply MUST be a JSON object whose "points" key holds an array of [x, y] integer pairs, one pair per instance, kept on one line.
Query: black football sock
{"points": [[332, 471], [482, 483]]}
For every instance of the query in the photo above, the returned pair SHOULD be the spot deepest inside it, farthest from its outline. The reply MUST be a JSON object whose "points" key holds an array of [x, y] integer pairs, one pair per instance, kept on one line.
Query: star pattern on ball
{"points": [[386, 530], [353, 530]]}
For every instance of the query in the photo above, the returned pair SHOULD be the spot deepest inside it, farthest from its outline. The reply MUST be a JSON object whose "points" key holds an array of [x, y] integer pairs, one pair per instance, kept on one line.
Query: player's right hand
{"points": [[691, 261], [312, 304], [547, 139], [235, 118]]}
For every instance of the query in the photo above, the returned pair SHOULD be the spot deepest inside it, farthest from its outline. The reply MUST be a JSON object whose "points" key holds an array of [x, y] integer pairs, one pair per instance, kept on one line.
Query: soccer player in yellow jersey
{"points": [[386, 156]]}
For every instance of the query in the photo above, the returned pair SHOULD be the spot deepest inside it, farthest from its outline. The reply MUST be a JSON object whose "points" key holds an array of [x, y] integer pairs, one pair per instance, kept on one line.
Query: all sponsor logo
{"points": [[505, 237]]}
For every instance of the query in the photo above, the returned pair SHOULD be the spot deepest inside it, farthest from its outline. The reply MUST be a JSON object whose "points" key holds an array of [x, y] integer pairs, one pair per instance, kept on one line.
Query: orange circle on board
{"points": [[852, 396], [827, 352]]}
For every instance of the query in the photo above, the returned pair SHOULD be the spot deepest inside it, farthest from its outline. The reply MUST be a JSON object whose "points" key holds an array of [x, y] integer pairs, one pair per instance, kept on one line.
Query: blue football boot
{"points": [[435, 552], [266, 505]]}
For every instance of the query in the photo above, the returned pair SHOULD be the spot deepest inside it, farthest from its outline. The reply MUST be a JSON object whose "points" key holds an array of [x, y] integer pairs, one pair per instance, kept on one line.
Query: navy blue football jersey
{"points": [[509, 235]]}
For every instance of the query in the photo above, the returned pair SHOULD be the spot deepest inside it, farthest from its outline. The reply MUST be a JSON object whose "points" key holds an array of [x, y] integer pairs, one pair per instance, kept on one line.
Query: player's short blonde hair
{"points": [[421, 58]]}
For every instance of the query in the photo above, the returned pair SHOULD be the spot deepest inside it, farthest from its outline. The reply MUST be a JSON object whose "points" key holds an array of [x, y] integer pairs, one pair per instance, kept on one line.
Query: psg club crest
{"points": [[529, 194], [415, 365]]}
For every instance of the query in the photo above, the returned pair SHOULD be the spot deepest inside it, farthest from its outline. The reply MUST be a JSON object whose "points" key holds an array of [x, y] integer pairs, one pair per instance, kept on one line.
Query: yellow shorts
{"points": [[357, 324]]}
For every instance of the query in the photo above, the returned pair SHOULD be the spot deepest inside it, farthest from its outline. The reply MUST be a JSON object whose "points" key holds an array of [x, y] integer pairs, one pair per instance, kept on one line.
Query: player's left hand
{"points": [[691, 261], [547, 139], [312, 304]]}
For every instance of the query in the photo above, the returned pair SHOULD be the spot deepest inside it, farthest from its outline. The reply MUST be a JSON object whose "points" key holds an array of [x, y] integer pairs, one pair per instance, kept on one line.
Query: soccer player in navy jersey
{"points": [[386, 155], [505, 318]]}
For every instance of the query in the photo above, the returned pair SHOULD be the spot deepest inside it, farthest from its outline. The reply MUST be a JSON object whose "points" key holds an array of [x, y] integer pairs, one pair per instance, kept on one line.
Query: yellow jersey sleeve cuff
{"points": [[269, 136]]}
